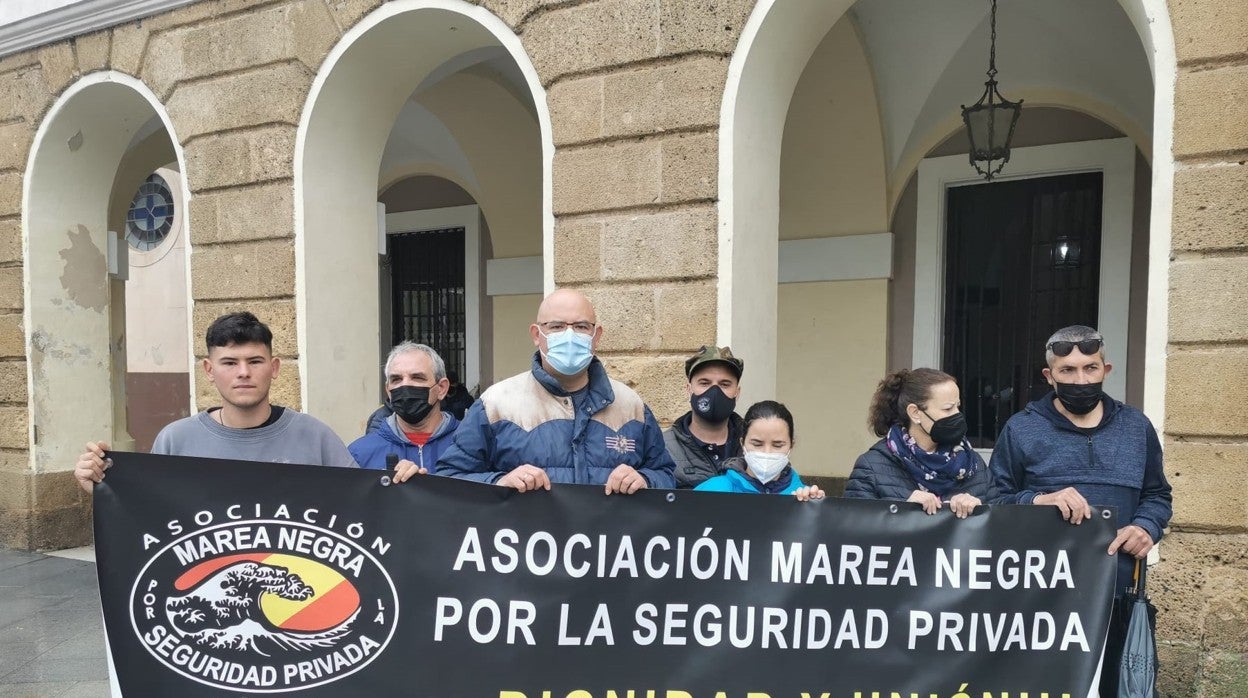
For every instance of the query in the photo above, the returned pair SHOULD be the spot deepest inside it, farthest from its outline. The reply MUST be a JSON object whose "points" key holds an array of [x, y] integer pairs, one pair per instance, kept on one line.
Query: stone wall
{"points": [[1201, 587]]}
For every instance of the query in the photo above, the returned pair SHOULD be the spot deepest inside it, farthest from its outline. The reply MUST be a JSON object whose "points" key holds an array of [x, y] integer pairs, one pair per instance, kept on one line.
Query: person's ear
{"points": [[277, 366], [597, 338], [536, 335], [440, 389], [1108, 367], [207, 364], [1048, 375], [914, 413]]}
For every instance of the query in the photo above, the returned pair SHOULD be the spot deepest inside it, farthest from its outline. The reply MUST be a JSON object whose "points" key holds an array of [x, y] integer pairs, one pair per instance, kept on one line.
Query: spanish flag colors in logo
{"points": [[334, 599]]}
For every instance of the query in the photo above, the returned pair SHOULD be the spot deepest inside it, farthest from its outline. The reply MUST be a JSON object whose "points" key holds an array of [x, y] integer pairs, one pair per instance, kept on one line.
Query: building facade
{"points": [[788, 177]]}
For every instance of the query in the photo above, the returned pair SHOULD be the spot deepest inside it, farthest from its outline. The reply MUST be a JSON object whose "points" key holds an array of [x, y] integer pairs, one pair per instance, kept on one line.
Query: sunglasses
{"points": [[1087, 346]]}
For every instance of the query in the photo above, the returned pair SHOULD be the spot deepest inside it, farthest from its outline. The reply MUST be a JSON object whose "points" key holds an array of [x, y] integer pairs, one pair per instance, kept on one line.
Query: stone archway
{"points": [[74, 321], [354, 103]]}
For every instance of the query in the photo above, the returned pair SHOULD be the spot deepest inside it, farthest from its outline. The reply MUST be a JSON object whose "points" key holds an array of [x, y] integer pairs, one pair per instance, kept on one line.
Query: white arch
{"points": [[775, 45], [69, 176], [425, 33]]}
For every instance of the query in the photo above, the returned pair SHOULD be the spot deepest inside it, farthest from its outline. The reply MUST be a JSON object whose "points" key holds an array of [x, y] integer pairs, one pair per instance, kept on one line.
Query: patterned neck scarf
{"points": [[939, 472]]}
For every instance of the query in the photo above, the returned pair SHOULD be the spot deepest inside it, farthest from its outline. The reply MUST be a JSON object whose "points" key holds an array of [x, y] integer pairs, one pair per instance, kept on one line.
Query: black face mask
{"points": [[411, 403], [1079, 398], [947, 431], [713, 405]]}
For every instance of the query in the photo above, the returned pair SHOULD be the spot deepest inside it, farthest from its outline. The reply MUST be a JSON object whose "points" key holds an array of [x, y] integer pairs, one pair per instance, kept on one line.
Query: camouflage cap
{"points": [[709, 353]]}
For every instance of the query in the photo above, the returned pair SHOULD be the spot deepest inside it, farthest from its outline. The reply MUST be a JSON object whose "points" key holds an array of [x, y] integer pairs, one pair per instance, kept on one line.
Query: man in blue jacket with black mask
{"points": [[418, 431], [1077, 446], [562, 421]]}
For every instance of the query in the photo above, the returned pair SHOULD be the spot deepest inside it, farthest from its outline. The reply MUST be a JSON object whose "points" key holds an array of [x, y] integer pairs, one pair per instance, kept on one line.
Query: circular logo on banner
{"points": [[264, 606]]}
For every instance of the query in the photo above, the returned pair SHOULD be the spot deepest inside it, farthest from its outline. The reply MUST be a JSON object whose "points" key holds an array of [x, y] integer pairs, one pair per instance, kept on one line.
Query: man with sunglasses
{"points": [[1077, 446], [562, 421]]}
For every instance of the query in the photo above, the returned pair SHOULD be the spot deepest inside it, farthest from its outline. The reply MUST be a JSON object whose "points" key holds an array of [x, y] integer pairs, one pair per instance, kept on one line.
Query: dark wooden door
{"points": [[1022, 259]]}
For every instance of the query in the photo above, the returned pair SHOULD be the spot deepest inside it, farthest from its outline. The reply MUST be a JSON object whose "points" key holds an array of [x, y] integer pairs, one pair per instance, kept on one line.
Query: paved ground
{"points": [[51, 636]]}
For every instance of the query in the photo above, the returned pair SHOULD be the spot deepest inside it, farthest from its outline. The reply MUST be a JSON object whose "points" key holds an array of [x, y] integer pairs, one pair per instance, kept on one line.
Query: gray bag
{"points": [[1137, 677]]}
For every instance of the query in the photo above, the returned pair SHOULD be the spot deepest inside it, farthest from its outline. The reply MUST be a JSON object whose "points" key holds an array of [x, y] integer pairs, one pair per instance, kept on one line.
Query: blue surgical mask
{"points": [[568, 352]]}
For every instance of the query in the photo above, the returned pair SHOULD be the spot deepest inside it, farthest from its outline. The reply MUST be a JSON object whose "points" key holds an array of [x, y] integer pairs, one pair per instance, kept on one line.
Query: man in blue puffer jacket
{"points": [[418, 431], [564, 420], [1077, 446]]}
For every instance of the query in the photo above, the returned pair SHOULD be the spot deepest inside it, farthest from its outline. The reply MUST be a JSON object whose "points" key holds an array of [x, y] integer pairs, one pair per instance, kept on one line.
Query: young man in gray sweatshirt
{"points": [[247, 426]]}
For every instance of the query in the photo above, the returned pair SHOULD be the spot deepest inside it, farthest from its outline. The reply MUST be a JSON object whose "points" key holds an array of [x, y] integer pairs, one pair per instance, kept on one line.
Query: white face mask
{"points": [[766, 466]]}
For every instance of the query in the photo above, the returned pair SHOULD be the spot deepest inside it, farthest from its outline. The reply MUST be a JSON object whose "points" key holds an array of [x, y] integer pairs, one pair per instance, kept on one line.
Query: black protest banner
{"points": [[227, 577]]}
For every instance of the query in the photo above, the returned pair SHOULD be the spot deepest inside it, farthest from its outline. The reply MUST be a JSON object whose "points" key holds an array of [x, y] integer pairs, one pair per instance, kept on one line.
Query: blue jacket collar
{"points": [[1044, 407], [599, 392], [394, 434]]}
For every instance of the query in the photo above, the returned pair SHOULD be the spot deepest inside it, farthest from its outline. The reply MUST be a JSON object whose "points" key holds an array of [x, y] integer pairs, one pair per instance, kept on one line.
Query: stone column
{"points": [[1201, 587], [634, 90]]}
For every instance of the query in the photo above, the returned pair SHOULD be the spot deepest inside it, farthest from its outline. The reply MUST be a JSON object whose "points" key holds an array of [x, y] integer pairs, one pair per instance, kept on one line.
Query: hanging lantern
{"points": [[990, 121]]}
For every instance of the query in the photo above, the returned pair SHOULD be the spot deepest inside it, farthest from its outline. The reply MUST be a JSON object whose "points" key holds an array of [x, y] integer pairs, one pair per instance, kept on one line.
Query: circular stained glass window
{"points": [[151, 214]]}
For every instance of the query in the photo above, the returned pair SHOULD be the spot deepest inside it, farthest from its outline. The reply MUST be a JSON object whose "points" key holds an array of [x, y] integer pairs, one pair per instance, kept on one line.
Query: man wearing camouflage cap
{"points": [[710, 432]]}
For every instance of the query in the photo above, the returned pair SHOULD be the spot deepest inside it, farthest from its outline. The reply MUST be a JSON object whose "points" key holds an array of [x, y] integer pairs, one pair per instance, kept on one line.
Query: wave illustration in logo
{"points": [[263, 602]]}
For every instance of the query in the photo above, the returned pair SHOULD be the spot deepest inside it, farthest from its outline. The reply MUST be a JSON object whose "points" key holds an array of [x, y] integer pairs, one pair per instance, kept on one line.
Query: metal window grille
{"points": [[427, 284], [1022, 259]]}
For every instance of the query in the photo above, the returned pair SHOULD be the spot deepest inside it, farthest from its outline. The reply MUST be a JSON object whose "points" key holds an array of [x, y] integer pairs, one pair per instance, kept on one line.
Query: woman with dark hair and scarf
{"points": [[924, 456], [764, 467]]}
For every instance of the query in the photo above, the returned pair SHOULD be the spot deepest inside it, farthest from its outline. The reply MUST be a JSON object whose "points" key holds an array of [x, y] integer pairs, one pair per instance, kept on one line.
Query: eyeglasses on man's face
{"points": [[1087, 346], [557, 326]]}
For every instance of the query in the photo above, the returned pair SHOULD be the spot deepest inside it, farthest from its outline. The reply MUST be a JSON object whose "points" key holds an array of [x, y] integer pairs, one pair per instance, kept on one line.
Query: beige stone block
{"points": [[1210, 484], [15, 140], [1210, 114], [13, 431], [10, 239], [55, 490], [1210, 209], [1226, 620], [686, 315], [243, 213], [1223, 675], [1204, 392], [126, 51], [660, 382], [12, 338], [10, 193], [231, 101], [1180, 583], [279, 315], [258, 269], [93, 51], [607, 176], [15, 490], [23, 94], [163, 63], [15, 529], [591, 36], [576, 110], [347, 12], [15, 461], [660, 245], [690, 168], [627, 315], [1207, 299], [11, 292], [13, 382], [284, 391], [1178, 666], [300, 30], [241, 157], [514, 12], [578, 251], [1207, 30], [59, 66], [650, 100], [694, 25], [61, 527]]}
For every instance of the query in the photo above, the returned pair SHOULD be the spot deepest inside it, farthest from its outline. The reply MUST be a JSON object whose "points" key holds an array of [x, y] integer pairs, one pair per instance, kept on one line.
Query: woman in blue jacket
{"points": [[764, 468], [924, 456]]}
